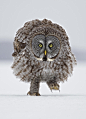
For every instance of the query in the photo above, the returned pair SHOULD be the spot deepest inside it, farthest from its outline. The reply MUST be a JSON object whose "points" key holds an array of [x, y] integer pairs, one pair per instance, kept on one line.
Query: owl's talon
{"points": [[54, 86], [33, 94]]}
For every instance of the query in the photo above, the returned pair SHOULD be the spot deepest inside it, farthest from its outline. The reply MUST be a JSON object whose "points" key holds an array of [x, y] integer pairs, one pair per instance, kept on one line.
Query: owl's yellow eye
{"points": [[50, 45], [40, 45]]}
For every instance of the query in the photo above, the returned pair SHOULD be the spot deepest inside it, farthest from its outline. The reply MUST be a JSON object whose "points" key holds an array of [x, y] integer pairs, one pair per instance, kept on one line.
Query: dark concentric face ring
{"points": [[49, 43]]}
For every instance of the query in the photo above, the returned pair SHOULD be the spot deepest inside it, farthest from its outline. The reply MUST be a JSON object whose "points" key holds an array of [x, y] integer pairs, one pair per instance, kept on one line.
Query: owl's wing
{"points": [[17, 47]]}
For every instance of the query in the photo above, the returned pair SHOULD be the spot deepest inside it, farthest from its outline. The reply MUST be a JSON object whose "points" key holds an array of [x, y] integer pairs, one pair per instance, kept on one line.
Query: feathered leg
{"points": [[34, 88]]}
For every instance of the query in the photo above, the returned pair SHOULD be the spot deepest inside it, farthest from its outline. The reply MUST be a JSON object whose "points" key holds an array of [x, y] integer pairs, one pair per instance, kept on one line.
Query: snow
{"points": [[69, 103], [43, 107]]}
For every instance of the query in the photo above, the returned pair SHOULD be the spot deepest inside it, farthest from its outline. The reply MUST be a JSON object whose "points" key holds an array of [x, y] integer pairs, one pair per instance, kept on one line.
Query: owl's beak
{"points": [[45, 56], [45, 52]]}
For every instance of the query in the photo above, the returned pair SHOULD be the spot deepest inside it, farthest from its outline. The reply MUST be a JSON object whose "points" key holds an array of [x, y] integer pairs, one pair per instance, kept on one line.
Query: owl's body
{"points": [[42, 53]]}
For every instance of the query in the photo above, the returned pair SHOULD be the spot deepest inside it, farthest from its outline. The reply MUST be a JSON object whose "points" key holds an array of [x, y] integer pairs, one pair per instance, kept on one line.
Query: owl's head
{"points": [[42, 40], [45, 47]]}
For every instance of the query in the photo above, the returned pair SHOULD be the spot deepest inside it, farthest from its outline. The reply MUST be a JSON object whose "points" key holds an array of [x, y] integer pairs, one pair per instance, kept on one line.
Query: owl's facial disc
{"points": [[45, 48]]}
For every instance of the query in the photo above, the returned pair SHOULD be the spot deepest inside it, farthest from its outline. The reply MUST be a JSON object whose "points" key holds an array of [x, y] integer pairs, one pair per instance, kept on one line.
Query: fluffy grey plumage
{"points": [[28, 68]]}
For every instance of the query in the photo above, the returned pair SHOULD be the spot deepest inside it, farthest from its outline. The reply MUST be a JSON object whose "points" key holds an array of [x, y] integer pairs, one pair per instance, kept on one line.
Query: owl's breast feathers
{"points": [[44, 72]]}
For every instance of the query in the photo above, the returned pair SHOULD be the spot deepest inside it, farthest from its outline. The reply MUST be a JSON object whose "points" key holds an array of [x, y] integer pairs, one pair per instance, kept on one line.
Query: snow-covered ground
{"points": [[69, 103]]}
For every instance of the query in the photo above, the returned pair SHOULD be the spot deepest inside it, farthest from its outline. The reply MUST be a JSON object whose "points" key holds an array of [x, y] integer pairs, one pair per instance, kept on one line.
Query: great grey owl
{"points": [[42, 53]]}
